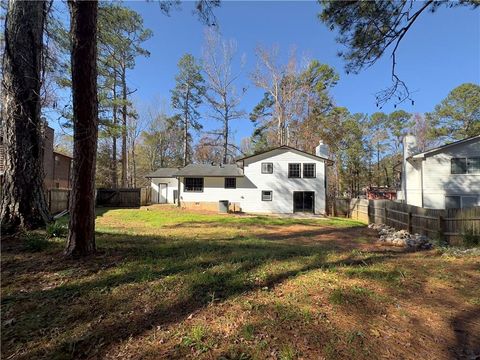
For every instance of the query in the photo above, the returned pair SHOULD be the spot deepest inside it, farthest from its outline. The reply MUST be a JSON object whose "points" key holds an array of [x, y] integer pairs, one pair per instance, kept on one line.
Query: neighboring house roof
{"points": [[285, 147], [227, 170], [62, 154], [439, 149], [163, 173]]}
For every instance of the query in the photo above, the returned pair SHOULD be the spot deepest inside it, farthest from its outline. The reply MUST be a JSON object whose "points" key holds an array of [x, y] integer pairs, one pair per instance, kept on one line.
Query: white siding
{"points": [[413, 173], [438, 180], [279, 182], [249, 188], [172, 184], [213, 191]]}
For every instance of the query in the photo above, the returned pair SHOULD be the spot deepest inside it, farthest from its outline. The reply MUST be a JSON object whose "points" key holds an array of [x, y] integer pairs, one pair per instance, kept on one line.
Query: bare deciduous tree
{"points": [[221, 93], [281, 85]]}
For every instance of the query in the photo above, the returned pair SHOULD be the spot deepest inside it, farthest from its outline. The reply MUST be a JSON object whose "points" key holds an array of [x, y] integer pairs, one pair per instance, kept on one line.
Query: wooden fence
{"points": [[449, 224], [119, 197], [145, 196], [57, 200]]}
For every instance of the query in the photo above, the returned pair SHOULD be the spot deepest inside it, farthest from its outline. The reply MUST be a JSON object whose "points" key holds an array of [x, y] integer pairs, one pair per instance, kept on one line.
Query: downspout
{"points": [[421, 180], [178, 191]]}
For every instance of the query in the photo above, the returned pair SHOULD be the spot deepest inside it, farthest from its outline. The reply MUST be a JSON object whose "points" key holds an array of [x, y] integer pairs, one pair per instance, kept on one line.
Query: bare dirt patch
{"points": [[173, 284]]}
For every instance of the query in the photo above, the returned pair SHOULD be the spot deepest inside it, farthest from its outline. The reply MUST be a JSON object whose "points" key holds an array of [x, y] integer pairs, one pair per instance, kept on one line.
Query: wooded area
{"points": [[297, 107]]}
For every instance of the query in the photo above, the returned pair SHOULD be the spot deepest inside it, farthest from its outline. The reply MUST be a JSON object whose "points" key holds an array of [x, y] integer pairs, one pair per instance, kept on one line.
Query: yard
{"points": [[168, 283]]}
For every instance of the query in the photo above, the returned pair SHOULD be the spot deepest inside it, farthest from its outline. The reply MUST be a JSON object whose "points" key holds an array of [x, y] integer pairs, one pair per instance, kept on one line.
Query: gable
{"points": [[466, 147], [283, 153]]}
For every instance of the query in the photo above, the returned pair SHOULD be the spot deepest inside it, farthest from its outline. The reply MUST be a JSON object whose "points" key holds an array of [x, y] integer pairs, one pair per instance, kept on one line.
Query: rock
{"points": [[402, 238]]}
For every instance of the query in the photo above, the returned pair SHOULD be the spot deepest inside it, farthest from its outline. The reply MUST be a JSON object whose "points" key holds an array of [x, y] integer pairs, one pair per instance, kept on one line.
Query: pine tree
{"points": [[186, 98], [23, 203]]}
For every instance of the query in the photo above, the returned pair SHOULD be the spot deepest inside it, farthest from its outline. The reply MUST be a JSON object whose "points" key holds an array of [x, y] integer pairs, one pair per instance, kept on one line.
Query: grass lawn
{"points": [[168, 283]]}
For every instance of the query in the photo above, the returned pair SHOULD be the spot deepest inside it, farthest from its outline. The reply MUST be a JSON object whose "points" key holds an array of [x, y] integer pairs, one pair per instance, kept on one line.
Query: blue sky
{"points": [[440, 52]]}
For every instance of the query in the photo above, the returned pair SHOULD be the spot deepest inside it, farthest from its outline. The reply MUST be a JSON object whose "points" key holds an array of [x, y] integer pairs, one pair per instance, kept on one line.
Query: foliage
{"points": [[35, 241], [369, 28], [291, 94], [186, 98], [458, 114], [56, 229], [470, 238]]}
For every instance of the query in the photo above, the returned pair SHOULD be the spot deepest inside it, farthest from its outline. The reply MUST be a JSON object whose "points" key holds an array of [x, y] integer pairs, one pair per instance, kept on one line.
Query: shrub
{"points": [[56, 229], [470, 238], [35, 242]]}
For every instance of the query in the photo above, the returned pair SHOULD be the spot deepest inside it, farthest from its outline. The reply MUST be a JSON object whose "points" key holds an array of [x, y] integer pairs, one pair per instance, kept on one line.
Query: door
{"points": [[304, 201], [162, 193]]}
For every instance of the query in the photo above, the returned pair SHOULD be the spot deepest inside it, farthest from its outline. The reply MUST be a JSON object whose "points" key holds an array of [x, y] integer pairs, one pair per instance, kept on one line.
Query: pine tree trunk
{"points": [[114, 137], [23, 203], [124, 128], [83, 20], [134, 167]]}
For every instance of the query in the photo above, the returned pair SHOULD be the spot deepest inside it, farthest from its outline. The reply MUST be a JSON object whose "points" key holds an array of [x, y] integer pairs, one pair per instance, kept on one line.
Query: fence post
{"points": [[441, 228], [385, 210], [410, 225], [368, 212]]}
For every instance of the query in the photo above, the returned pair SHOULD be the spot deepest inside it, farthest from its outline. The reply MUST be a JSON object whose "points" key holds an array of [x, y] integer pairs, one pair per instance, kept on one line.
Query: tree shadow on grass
{"points": [[198, 270]]}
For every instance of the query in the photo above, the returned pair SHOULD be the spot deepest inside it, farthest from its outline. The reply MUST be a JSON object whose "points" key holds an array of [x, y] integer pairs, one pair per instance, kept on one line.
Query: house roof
{"points": [[286, 147], [162, 173], [444, 147], [62, 154], [210, 170]]}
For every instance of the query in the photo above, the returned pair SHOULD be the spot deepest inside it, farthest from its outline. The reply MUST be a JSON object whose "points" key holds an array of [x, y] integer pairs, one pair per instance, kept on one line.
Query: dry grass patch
{"points": [[169, 283]]}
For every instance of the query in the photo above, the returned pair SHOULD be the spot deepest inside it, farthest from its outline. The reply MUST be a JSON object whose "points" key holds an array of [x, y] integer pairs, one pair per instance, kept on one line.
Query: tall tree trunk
{"points": [[114, 137], [185, 130], [225, 131], [134, 167], [23, 203], [83, 20], [124, 127], [225, 143]]}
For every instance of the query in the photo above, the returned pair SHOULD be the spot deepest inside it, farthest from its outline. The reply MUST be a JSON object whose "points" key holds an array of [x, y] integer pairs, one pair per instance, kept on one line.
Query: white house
{"points": [[281, 180], [445, 177]]}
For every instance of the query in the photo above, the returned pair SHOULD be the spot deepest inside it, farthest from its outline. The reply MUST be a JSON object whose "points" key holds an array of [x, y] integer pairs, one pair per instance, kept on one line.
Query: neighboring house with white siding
{"points": [[281, 180], [445, 177]]}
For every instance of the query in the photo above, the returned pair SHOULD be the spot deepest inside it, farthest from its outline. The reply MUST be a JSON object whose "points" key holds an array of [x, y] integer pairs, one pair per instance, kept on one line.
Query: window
{"points": [[453, 202], [469, 201], [309, 170], [293, 170], [473, 165], [459, 165], [194, 184], [457, 201], [267, 168], [465, 166], [230, 183], [267, 195]]}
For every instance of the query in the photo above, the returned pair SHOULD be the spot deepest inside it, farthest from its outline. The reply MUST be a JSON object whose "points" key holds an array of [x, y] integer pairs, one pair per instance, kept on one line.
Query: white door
{"points": [[162, 193]]}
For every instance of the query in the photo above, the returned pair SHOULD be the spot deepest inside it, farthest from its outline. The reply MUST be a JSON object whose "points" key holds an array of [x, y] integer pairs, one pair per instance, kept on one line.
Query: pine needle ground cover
{"points": [[176, 284]]}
